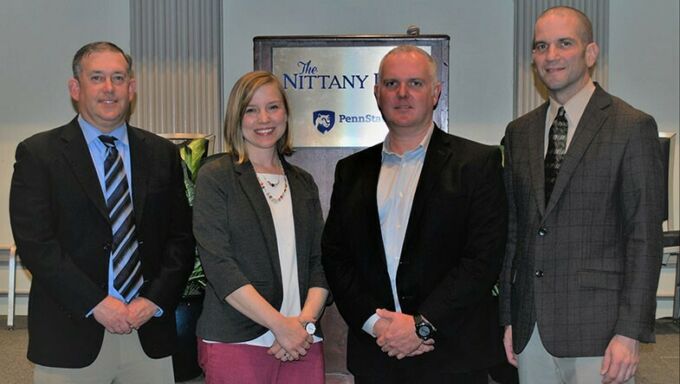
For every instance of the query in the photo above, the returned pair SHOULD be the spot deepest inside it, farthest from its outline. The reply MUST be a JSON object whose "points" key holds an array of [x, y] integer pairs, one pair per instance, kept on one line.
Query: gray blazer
{"points": [[236, 241], [584, 266]]}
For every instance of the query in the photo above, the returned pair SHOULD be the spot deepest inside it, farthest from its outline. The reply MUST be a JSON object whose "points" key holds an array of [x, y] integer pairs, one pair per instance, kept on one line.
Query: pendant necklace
{"points": [[267, 184], [271, 183], [271, 197]]}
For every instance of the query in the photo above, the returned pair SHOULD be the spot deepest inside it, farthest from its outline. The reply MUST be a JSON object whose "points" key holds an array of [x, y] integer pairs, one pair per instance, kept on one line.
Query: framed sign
{"points": [[329, 83]]}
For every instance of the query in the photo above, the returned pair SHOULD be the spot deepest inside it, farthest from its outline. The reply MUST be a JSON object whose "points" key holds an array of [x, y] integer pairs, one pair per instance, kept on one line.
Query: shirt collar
{"points": [[408, 155], [575, 106], [92, 134]]}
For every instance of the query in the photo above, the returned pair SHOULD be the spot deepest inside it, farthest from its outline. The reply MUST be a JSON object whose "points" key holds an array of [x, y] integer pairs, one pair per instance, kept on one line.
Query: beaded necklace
{"points": [[263, 185]]}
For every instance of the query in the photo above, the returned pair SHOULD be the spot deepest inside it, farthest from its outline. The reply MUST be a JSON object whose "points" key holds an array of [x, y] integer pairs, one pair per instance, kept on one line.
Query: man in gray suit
{"points": [[584, 183]]}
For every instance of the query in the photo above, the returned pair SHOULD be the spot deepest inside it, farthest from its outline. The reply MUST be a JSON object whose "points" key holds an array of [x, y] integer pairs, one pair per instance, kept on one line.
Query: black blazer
{"points": [[60, 224], [450, 258]]}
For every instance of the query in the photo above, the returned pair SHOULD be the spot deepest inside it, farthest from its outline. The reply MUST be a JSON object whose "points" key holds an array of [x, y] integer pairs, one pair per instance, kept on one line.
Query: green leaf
{"points": [[192, 153]]}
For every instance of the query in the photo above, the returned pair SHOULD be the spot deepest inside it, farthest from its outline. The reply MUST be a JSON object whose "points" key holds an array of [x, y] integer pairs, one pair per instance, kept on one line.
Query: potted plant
{"points": [[193, 153], [185, 360]]}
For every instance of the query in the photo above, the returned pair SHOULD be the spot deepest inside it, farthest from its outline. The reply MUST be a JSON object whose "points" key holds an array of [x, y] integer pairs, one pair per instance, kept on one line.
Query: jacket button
{"points": [[538, 273], [543, 231], [107, 247]]}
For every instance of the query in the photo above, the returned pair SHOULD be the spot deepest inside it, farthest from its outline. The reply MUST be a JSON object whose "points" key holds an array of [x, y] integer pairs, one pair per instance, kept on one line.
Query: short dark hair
{"points": [[98, 46]]}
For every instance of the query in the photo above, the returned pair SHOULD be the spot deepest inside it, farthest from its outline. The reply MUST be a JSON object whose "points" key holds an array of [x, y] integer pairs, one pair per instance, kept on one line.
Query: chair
{"points": [[671, 242], [11, 282], [671, 236]]}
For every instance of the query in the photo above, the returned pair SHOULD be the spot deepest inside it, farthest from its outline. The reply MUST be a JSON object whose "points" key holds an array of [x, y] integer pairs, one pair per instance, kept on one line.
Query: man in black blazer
{"points": [[81, 224], [414, 240], [584, 241]]}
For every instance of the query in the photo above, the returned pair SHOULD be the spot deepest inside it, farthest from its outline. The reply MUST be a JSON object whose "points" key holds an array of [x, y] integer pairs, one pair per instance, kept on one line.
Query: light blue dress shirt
{"points": [[98, 154], [399, 175]]}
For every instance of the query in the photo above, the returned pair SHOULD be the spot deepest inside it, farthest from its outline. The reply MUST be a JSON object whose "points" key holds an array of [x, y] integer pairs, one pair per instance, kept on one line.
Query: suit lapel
{"points": [[438, 153], [536, 147], [591, 122], [370, 173], [140, 155], [251, 188], [77, 154]]}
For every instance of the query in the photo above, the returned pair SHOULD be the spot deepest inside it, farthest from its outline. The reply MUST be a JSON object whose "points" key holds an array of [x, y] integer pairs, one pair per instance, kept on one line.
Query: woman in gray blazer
{"points": [[257, 223]]}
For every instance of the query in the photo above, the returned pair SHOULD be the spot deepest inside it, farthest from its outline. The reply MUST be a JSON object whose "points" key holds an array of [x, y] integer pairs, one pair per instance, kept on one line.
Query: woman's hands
{"points": [[292, 340]]}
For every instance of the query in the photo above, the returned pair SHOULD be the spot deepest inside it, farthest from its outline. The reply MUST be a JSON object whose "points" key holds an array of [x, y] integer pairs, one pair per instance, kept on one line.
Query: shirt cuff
{"points": [[368, 325], [159, 310]]}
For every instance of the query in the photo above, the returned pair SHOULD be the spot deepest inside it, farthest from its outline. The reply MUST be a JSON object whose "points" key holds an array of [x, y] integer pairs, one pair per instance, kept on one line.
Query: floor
{"points": [[659, 362]]}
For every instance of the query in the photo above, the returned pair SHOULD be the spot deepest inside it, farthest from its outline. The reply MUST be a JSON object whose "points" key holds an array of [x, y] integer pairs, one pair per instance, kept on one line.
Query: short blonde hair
{"points": [[239, 98]]}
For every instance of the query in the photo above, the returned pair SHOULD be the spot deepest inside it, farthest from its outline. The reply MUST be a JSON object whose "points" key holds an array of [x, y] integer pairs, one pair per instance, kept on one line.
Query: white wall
{"points": [[480, 94], [39, 37], [644, 66], [37, 41], [643, 57]]}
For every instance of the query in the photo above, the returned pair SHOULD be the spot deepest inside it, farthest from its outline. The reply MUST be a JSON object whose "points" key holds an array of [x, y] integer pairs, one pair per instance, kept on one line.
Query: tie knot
{"points": [[109, 141], [560, 113]]}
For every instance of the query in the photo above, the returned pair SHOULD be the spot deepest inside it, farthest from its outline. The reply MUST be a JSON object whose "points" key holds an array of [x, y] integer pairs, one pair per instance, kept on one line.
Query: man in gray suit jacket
{"points": [[584, 183]]}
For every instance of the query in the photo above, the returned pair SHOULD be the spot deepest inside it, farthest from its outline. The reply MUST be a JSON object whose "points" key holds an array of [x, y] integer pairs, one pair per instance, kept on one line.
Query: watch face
{"points": [[424, 331], [310, 328]]}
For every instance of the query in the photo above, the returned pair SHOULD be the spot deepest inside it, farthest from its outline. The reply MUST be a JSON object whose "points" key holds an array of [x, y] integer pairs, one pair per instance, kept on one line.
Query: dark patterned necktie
{"points": [[557, 147], [127, 267]]}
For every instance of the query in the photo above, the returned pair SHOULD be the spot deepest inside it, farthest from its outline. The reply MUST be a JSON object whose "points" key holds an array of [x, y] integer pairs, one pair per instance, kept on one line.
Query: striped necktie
{"points": [[557, 148], [127, 267]]}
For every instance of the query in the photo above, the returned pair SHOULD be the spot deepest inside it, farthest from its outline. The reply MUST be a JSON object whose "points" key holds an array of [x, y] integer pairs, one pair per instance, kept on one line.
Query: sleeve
{"points": [[178, 248], [505, 313], [317, 275], [641, 206], [34, 217], [353, 299], [211, 229], [482, 252]]}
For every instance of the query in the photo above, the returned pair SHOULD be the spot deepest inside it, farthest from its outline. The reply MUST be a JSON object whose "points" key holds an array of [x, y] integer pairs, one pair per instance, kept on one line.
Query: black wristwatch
{"points": [[424, 330]]}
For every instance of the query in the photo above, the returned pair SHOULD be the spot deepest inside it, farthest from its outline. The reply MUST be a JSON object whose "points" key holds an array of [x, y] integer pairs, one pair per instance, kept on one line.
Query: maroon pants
{"points": [[225, 363]]}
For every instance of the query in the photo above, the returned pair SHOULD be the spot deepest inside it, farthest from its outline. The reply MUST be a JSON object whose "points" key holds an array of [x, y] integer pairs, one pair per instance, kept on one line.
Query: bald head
{"points": [[585, 27]]}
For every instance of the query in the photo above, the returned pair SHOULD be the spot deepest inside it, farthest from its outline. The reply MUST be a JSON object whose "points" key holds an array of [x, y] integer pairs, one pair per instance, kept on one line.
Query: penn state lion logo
{"points": [[324, 120]]}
